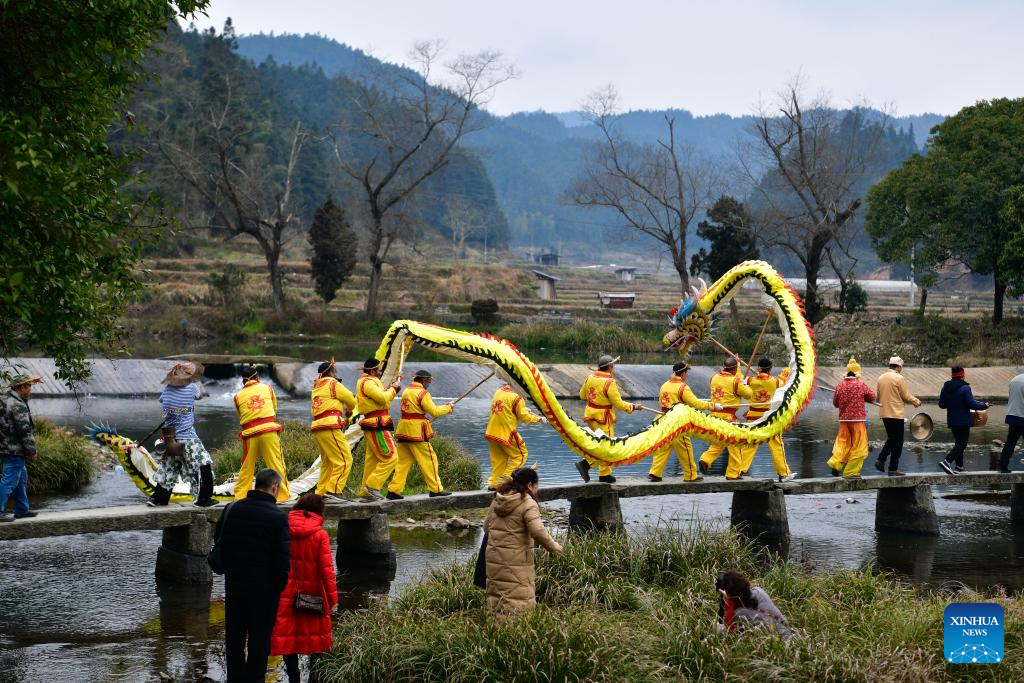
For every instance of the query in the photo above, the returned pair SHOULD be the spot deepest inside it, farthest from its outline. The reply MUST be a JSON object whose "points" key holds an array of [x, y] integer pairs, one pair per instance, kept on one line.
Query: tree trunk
{"points": [[812, 268], [376, 273], [997, 307], [276, 280], [924, 302], [734, 310], [679, 261]]}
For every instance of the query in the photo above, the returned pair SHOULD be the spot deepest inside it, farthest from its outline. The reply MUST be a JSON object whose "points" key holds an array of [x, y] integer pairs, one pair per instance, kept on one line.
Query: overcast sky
{"points": [[712, 56]]}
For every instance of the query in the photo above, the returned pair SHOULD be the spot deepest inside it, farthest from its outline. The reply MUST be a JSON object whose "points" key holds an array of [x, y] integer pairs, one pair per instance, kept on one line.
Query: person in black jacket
{"points": [[256, 553]]}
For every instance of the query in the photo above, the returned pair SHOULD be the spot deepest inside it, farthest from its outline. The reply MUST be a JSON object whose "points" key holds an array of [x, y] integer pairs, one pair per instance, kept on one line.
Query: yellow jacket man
{"points": [[256, 406], [728, 390], [373, 403], [332, 404], [507, 448], [764, 387], [602, 396], [413, 436], [893, 393], [672, 392]]}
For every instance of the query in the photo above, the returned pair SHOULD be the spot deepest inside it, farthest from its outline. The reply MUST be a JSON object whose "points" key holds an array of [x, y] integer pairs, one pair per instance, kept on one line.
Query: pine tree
{"points": [[334, 249]]}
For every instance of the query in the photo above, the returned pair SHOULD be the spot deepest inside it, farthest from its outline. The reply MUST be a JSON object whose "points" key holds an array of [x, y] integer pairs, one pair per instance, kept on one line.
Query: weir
{"points": [[364, 541]]}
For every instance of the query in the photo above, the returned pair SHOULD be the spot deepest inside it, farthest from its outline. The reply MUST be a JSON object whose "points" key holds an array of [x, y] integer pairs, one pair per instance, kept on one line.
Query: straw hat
{"points": [[22, 380], [605, 360], [183, 374]]}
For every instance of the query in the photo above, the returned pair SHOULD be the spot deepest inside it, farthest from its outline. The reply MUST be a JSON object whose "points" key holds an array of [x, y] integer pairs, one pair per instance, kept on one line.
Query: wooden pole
{"points": [[650, 410], [474, 388], [757, 345], [723, 347]]}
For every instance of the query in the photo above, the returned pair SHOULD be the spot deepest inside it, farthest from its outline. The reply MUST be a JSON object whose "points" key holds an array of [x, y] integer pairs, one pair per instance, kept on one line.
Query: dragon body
{"points": [[691, 323]]}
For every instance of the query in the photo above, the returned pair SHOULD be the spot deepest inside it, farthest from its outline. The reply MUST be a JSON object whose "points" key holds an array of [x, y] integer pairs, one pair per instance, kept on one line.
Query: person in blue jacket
{"points": [[957, 399]]}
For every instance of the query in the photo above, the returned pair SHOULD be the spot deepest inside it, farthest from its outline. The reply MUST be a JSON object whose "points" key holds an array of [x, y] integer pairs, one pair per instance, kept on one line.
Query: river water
{"points": [[87, 608]]}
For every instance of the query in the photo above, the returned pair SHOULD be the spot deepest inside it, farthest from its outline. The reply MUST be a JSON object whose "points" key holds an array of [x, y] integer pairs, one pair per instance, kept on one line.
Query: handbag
{"points": [[215, 559], [480, 573], [306, 602]]}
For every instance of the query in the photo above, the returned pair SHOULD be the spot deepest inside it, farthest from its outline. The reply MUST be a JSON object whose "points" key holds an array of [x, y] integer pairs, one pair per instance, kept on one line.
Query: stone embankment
{"points": [[142, 377]]}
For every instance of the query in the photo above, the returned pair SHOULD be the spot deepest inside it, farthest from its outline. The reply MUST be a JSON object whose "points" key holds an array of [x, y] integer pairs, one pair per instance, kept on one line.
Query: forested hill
{"points": [[532, 157]]}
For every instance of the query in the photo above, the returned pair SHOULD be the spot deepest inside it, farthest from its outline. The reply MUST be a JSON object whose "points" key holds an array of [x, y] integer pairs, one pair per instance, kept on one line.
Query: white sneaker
{"points": [[789, 477]]}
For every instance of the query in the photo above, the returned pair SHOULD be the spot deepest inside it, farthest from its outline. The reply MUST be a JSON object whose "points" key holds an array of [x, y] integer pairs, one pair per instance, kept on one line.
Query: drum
{"points": [[921, 427]]}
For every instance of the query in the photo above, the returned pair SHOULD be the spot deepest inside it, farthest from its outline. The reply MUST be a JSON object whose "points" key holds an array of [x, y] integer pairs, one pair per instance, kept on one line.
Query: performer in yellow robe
{"points": [[332, 403], [373, 403], [602, 396], [508, 450], [672, 392], [413, 436], [764, 386], [256, 406], [729, 390]]}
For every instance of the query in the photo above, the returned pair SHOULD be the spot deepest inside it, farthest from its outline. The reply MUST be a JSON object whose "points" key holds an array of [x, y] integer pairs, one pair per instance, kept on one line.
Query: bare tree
{"points": [[464, 220], [403, 129], [656, 189], [242, 195], [817, 160]]}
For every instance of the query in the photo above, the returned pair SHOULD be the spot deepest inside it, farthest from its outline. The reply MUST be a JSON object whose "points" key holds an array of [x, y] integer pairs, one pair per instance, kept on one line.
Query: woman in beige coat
{"points": [[513, 524]]}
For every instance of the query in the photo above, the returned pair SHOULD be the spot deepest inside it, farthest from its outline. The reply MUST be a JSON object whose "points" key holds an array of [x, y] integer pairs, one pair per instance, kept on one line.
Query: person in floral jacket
{"points": [[851, 446]]}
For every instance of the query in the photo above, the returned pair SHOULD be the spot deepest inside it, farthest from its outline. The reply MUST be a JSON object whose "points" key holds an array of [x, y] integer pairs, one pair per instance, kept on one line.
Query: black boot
{"points": [[161, 496], [205, 498]]}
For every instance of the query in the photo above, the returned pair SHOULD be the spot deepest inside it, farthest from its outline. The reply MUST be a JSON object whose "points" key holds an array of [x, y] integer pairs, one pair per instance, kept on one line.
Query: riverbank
{"points": [[644, 608], [636, 381]]}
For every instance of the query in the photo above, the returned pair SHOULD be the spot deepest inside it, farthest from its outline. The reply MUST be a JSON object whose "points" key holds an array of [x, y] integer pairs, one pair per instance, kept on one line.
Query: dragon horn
{"points": [[703, 286]]}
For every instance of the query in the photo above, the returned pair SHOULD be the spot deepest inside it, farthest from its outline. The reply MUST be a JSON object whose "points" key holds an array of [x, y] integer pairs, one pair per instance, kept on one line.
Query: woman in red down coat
{"points": [[312, 572]]}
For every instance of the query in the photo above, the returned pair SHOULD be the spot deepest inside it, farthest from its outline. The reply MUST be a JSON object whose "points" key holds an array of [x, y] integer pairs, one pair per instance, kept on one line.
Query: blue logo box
{"points": [[973, 633]]}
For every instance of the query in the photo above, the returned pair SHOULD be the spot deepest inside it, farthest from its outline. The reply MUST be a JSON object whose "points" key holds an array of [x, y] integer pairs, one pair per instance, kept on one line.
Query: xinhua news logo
{"points": [[973, 633]]}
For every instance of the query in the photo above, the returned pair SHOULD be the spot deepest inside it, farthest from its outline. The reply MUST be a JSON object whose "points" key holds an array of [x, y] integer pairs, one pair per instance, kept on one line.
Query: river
{"points": [[89, 608]]}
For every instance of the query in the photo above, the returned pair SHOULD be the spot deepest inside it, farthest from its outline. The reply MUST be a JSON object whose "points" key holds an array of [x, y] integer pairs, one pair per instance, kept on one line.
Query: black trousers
{"points": [[961, 436], [1016, 431], [248, 621], [894, 432]]}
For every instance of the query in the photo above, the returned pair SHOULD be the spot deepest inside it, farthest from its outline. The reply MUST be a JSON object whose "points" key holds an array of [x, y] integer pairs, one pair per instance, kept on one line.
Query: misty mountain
{"points": [[532, 157]]}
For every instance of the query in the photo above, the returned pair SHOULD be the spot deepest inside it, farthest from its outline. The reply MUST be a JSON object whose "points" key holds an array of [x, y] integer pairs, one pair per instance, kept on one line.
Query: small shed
{"points": [[626, 273], [617, 299], [546, 289], [546, 259]]}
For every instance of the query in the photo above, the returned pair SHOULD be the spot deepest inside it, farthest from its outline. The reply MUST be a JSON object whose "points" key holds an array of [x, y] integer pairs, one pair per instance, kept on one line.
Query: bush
{"points": [[226, 287], [484, 311], [64, 464], [854, 299], [617, 607]]}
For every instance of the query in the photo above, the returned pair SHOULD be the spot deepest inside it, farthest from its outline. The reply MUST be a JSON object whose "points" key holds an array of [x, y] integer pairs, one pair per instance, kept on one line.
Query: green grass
{"points": [[64, 464], [644, 608], [459, 471], [586, 337]]}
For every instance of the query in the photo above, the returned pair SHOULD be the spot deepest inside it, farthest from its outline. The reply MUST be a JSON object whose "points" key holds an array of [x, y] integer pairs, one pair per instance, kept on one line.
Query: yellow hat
{"points": [[853, 366]]}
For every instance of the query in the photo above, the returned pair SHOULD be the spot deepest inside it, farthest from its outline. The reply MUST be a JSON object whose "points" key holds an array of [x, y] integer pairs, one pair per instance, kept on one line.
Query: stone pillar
{"points": [[364, 547], [598, 513], [182, 555], [761, 516], [1017, 505], [906, 508]]}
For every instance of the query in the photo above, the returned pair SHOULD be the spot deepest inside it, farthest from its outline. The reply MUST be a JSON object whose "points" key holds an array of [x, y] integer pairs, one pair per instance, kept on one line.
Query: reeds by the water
{"points": [[644, 608], [64, 462]]}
